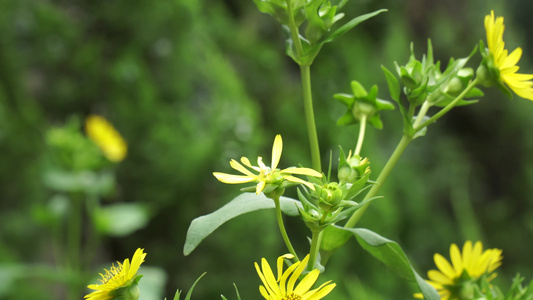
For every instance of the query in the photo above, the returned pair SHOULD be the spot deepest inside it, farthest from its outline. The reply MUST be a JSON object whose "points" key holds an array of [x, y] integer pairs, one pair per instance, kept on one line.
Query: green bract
{"points": [[318, 18], [424, 81], [362, 106], [488, 73]]}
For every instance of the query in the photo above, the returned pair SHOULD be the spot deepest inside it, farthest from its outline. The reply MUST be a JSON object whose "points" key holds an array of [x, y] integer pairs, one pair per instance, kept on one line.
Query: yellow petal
{"points": [[233, 179], [260, 187], [321, 292], [237, 166], [439, 278], [276, 151], [298, 180], [455, 256], [444, 266], [301, 171], [306, 283], [269, 277], [297, 273], [513, 58]]}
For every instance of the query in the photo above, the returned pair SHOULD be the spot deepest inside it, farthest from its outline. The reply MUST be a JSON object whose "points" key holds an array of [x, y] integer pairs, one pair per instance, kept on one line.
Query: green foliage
{"points": [[203, 226], [392, 255]]}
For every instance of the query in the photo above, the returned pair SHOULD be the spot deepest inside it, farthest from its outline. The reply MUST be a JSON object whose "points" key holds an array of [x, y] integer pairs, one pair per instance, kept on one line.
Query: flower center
{"points": [[114, 271], [292, 296]]}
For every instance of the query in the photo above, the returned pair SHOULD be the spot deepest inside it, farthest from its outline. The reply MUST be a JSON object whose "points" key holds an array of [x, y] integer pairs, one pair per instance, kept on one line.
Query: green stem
{"points": [[361, 138], [391, 163], [74, 242], [279, 217], [315, 246], [449, 106], [305, 71], [295, 35], [421, 113], [310, 117]]}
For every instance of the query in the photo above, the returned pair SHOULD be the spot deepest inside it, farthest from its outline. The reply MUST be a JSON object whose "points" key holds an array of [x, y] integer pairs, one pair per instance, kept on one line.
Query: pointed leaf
{"points": [[189, 294], [203, 226], [392, 255], [392, 82], [351, 24]]}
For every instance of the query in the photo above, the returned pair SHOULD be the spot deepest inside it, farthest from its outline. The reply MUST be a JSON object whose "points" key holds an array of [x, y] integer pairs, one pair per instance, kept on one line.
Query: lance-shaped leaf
{"points": [[392, 255], [203, 226]]}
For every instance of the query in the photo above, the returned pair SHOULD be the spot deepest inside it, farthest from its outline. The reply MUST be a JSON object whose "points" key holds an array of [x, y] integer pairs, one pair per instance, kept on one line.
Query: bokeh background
{"points": [[192, 84]]}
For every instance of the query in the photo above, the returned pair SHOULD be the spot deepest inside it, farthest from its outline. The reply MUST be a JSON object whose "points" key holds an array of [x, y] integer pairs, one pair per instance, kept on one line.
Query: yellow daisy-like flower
{"points": [[467, 266], [266, 174], [117, 277], [103, 134], [521, 84], [283, 288]]}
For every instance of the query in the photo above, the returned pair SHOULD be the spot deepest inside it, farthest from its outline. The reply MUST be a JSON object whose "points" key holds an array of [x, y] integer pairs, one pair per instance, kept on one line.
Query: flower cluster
{"points": [[120, 281], [456, 280], [268, 178], [283, 287]]}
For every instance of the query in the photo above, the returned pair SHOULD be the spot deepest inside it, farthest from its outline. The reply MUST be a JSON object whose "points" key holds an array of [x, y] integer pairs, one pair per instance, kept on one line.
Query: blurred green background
{"points": [[192, 84]]}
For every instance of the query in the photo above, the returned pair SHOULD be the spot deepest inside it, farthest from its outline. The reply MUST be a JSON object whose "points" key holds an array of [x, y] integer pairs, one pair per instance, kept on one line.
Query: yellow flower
{"points": [[521, 84], [266, 174], [120, 276], [465, 268], [102, 133], [281, 289]]}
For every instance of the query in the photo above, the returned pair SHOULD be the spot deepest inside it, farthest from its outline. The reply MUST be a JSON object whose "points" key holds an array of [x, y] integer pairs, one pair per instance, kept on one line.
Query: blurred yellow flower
{"points": [[521, 84], [468, 266], [117, 277], [266, 174], [103, 134], [281, 289]]}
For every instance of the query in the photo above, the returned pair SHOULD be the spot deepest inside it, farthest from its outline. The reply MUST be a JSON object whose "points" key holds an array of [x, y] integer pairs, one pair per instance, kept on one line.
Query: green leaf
{"points": [[392, 255], [121, 219], [351, 24], [394, 85], [203, 226], [189, 294]]}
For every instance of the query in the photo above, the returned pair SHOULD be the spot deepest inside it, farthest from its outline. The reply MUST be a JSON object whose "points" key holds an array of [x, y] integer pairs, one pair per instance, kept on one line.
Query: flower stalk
{"points": [[282, 229]]}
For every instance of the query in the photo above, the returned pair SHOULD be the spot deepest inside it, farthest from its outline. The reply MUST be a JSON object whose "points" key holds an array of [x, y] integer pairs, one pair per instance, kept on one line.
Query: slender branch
{"points": [[305, 70], [449, 106], [361, 138], [315, 246], [279, 217], [74, 242], [310, 117], [391, 163], [421, 113], [294, 31]]}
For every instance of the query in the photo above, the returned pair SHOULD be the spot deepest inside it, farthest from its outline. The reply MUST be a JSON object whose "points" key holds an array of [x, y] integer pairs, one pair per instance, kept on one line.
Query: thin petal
{"points": [[237, 166], [455, 256], [305, 284], [444, 266], [297, 273], [233, 179], [269, 276], [321, 293], [260, 187], [264, 280], [276, 151], [440, 278], [136, 261], [298, 180], [301, 171], [513, 58], [261, 164]]}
